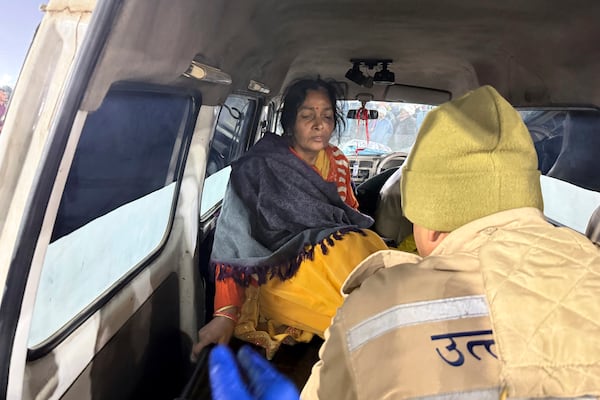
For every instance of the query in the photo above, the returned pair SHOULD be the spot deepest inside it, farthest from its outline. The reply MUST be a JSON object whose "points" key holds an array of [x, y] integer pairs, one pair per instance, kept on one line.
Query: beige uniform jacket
{"points": [[507, 304]]}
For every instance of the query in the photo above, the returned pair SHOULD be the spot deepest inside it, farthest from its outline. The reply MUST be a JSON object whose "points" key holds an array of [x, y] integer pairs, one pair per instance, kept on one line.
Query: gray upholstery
{"points": [[593, 228], [389, 220]]}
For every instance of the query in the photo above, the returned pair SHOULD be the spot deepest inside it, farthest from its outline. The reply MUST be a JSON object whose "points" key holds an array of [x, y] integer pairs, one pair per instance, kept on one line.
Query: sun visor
{"points": [[416, 94]]}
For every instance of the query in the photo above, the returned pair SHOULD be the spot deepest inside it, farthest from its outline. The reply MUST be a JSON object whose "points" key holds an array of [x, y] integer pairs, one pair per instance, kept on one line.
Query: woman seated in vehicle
{"points": [[289, 232]]}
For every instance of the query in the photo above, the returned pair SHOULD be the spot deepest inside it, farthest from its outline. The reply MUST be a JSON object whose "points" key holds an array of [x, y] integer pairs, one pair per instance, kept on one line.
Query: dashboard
{"points": [[363, 167]]}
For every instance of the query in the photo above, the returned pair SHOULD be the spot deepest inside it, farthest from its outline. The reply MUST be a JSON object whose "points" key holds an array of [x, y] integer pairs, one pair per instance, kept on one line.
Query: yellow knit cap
{"points": [[473, 157]]}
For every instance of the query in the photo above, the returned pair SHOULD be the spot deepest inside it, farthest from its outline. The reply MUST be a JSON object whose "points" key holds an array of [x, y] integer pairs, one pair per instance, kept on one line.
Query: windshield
{"points": [[395, 129]]}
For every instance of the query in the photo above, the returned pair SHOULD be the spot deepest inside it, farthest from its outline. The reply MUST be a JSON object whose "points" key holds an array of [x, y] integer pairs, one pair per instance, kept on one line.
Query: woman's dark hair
{"points": [[295, 94]]}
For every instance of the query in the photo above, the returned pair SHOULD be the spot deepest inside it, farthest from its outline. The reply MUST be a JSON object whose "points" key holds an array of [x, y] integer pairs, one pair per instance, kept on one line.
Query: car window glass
{"points": [[567, 204], [390, 130], [394, 130], [214, 190], [116, 204], [567, 143], [233, 128], [230, 140]]}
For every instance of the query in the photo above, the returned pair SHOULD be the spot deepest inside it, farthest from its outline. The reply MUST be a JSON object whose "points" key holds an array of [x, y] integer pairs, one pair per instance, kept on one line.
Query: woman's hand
{"points": [[217, 331]]}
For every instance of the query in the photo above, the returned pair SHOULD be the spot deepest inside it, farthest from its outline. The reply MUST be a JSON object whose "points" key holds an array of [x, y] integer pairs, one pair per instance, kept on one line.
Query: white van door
{"points": [[98, 220]]}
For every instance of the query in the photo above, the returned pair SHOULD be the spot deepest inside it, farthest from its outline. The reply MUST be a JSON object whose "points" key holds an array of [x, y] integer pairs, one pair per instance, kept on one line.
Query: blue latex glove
{"points": [[265, 382]]}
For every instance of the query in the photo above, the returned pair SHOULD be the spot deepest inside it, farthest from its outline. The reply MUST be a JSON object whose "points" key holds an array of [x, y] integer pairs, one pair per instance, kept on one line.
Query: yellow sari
{"points": [[294, 310]]}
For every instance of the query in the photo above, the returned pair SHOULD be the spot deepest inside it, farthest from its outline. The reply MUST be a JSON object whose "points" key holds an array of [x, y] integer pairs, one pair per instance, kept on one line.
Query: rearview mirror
{"points": [[353, 114]]}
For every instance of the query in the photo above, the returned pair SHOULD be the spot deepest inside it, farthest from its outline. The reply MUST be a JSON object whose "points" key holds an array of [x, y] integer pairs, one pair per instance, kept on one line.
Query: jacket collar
{"points": [[472, 235], [467, 238], [375, 262]]}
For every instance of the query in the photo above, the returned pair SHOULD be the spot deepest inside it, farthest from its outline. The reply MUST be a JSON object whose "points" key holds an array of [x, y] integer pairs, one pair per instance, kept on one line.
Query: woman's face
{"points": [[314, 125]]}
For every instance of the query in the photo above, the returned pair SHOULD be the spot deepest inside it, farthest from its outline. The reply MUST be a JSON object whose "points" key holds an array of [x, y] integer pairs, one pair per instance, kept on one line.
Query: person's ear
{"points": [[426, 239], [436, 237]]}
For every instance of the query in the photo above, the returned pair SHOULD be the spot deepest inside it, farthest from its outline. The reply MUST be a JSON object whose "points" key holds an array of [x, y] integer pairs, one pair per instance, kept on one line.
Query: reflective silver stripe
{"points": [[416, 313], [483, 394], [488, 394]]}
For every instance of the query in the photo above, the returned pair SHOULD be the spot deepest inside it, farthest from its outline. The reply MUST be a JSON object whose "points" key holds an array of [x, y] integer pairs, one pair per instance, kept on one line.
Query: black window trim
{"points": [[59, 336], [256, 115], [212, 213], [253, 124]]}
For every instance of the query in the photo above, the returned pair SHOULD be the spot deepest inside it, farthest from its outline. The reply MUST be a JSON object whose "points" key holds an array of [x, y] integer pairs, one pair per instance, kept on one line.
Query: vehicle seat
{"points": [[390, 222], [548, 151], [593, 228], [367, 193]]}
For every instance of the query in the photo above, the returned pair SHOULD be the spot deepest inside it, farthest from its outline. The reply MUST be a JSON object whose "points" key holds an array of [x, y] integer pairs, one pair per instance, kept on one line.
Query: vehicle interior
{"points": [[117, 146]]}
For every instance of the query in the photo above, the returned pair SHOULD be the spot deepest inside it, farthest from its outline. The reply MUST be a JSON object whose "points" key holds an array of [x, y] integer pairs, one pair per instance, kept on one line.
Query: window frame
{"points": [[66, 330], [245, 143]]}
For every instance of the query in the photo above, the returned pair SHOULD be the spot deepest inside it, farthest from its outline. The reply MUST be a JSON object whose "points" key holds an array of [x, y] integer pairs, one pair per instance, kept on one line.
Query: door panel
{"points": [[120, 271], [146, 359]]}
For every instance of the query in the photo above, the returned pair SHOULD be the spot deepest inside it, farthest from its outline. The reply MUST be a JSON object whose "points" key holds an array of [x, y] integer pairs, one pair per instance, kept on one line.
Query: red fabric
{"points": [[363, 115], [339, 172], [227, 292]]}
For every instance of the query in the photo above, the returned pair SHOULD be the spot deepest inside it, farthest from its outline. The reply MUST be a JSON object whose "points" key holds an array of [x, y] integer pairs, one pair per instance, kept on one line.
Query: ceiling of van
{"points": [[534, 52]]}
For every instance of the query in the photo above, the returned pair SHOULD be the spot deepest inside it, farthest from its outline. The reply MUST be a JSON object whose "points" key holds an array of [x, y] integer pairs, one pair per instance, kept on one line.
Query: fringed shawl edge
{"points": [[244, 275]]}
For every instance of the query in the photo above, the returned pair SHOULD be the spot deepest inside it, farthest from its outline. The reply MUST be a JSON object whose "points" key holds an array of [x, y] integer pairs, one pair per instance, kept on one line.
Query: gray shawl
{"points": [[276, 209]]}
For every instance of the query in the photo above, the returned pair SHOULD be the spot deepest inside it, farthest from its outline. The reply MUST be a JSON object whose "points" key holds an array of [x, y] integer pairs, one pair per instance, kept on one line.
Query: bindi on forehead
{"points": [[315, 108]]}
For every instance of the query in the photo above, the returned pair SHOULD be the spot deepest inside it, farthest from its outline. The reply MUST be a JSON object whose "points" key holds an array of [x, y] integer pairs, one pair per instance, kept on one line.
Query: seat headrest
{"points": [[593, 228]]}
